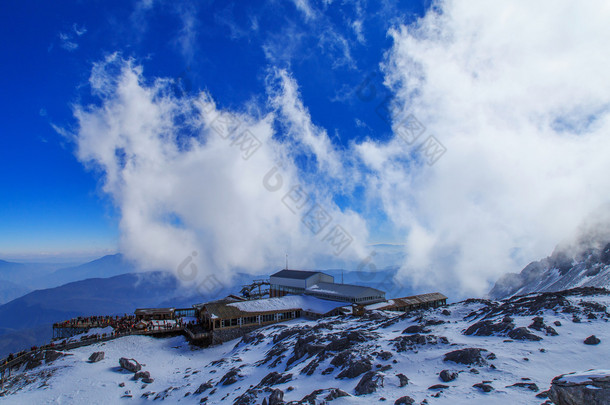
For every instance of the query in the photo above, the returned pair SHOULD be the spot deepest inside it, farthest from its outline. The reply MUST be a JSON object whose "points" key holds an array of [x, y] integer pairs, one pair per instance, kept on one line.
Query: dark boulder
{"points": [[467, 356], [95, 357], [231, 377], [484, 387], [529, 385], [204, 387], [523, 334], [447, 375], [416, 329], [130, 364], [356, 368], [488, 328], [406, 400], [592, 340], [141, 374], [385, 355], [274, 378], [332, 393], [276, 397], [403, 379], [438, 387], [537, 324], [369, 383]]}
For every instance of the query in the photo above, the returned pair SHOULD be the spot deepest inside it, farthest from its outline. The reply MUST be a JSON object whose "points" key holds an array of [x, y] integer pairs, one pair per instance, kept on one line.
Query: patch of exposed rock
{"points": [[590, 387]]}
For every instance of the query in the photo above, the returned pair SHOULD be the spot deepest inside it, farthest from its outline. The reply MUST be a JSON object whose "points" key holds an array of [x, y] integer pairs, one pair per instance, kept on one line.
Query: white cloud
{"points": [[181, 186], [67, 43], [304, 7], [518, 93]]}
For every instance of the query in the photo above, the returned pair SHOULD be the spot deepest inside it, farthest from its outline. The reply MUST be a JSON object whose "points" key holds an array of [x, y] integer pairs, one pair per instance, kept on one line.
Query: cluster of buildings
{"points": [[300, 294], [292, 294]]}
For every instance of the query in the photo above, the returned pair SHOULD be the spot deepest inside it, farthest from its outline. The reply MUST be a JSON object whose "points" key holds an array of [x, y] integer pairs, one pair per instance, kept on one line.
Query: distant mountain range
{"points": [[28, 320], [17, 279], [588, 267]]}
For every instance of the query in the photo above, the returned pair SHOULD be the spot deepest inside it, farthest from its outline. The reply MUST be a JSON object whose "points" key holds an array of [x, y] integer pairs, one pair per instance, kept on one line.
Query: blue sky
{"points": [[51, 202], [123, 129]]}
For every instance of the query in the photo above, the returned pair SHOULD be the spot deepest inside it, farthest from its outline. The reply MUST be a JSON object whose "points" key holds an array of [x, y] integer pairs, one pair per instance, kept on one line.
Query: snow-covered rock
{"points": [[590, 387]]}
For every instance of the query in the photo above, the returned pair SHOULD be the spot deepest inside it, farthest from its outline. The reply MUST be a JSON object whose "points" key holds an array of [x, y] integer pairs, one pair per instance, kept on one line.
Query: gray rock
{"points": [[403, 379], [592, 340], [416, 329], [204, 387], [130, 364], [438, 387], [523, 334], [141, 374], [589, 388], [447, 375], [95, 357], [369, 383], [230, 377], [466, 356], [484, 387], [488, 328], [333, 393], [276, 397], [406, 400], [529, 385], [274, 378]]}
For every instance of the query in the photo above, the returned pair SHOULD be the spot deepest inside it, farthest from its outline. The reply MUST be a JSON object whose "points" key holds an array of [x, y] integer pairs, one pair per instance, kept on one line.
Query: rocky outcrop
{"points": [[369, 383], [523, 334], [592, 340], [487, 328], [274, 378], [327, 394], [95, 357], [469, 356], [484, 387], [590, 387], [130, 364], [406, 400], [231, 377], [402, 379], [276, 397], [447, 375]]}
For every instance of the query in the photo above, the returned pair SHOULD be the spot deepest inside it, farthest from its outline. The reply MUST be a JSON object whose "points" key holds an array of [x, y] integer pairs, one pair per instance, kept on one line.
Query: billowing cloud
{"points": [[189, 177], [500, 152], [518, 94]]}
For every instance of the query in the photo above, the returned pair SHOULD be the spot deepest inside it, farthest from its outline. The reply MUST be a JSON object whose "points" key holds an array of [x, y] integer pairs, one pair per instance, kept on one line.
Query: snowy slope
{"points": [[236, 370], [560, 271]]}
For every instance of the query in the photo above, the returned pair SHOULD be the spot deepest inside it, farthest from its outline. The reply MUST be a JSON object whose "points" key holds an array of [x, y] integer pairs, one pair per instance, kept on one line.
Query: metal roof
{"points": [[414, 300], [226, 309], [344, 290], [154, 311], [296, 274]]}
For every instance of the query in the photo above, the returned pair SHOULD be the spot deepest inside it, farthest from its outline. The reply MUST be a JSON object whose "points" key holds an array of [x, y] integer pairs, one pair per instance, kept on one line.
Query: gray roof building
{"points": [[351, 293]]}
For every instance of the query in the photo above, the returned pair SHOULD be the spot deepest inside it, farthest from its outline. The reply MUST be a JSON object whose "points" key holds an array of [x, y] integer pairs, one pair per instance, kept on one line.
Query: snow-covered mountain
{"points": [[474, 352], [588, 268]]}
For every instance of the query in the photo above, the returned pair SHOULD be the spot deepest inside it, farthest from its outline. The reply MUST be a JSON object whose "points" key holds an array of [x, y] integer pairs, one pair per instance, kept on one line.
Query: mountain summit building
{"points": [[321, 285]]}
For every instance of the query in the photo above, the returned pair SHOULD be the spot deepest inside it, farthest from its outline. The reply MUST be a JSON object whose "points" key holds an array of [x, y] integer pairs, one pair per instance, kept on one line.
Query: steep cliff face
{"points": [[560, 271]]}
